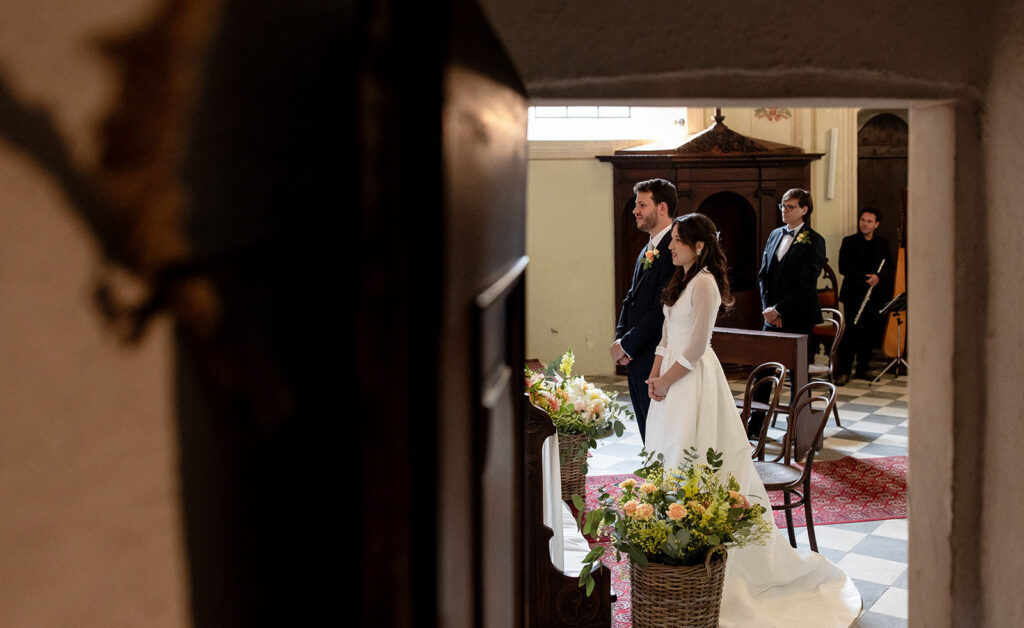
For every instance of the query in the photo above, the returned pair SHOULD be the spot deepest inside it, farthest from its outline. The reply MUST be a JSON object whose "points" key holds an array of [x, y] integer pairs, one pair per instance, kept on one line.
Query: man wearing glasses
{"points": [[793, 257]]}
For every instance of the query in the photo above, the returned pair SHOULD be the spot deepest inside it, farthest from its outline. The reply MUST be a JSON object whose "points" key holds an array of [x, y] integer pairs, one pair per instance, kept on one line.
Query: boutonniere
{"points": [[649, 257], [803, 237]]}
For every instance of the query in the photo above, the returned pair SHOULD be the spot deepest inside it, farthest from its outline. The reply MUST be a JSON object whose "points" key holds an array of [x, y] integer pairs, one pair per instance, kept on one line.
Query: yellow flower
{"points": [[567, 361], [647, 487], [627, 483], [803, 238], [676, 512], [629, 508], [644, 511], [697, 507]]}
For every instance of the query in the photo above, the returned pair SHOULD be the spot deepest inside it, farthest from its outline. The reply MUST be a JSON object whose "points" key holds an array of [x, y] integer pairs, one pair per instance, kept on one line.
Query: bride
{"points": [[692, 406]]}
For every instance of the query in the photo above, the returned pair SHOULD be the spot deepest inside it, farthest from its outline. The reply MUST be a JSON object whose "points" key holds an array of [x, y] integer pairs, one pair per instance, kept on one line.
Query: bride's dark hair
{"points": [[691, 229]]}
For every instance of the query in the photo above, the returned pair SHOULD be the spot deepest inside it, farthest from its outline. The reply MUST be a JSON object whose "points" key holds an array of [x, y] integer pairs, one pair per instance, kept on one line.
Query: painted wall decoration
{"points": [[773, 114]]}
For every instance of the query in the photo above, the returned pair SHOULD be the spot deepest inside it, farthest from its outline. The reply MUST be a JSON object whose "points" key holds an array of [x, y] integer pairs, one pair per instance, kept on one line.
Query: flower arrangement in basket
{"points": [[673, 517], [580, 411]]}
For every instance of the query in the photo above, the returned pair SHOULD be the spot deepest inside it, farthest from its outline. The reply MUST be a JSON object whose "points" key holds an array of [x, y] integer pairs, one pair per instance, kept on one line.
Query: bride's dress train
{"points": [[765, 585]]}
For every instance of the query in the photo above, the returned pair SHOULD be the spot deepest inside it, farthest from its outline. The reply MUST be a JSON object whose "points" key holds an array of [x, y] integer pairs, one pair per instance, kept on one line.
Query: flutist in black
{"points": [[860, 256]]}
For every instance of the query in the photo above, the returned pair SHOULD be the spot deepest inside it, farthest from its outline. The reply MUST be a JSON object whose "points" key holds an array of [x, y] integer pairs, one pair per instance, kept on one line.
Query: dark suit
{"points": [[790, 285], [640, 322], [859, 257]]}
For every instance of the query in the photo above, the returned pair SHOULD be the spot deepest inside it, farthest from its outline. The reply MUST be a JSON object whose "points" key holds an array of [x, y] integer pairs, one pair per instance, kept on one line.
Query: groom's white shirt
{"points": [[656, 238]]}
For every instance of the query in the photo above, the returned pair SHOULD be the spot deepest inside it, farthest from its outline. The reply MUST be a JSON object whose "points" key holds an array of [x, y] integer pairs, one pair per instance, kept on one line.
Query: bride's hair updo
{"points": [[694, 228]]}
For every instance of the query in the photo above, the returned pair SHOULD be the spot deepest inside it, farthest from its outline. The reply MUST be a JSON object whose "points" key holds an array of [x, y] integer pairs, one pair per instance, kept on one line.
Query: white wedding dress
{"points": [[765, 585]]}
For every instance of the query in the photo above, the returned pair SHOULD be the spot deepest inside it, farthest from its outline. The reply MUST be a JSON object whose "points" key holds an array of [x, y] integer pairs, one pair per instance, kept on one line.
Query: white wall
{"points": [[569, 239]]}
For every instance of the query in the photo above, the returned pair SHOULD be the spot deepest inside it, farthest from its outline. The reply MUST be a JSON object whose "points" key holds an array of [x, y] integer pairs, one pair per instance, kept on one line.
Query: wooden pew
{"points": [[553, 598]]}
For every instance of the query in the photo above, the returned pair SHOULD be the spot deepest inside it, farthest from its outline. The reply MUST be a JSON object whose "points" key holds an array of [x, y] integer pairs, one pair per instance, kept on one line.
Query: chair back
{"points": [[832, 319], [806, 424], [829, 295], [770, 374]]}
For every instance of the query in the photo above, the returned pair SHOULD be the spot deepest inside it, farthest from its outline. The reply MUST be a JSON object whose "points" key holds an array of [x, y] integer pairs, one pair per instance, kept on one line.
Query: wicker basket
{"points": [[574, 481], [669, 595]]}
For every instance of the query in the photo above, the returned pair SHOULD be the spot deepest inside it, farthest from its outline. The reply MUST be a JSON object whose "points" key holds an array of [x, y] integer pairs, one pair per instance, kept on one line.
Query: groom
{"points": [[793, 257], [639, 327]]}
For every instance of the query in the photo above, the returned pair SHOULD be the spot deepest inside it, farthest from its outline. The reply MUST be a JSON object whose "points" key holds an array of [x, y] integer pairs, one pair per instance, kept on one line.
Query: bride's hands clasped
{"points": [[657, 388]]}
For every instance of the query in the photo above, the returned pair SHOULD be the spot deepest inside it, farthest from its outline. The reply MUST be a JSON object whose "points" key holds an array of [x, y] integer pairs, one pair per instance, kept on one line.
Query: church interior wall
{"points": [[569, 240], [1000, 246], [91, 531]]}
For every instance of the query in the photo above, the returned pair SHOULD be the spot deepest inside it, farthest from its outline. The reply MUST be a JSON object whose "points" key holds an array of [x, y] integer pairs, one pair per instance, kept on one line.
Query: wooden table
{"points": [[752, 347]]}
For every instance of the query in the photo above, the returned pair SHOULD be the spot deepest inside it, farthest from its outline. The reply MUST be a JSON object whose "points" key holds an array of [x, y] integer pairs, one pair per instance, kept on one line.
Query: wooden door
{"points": [[441, 345], [882, 174]]}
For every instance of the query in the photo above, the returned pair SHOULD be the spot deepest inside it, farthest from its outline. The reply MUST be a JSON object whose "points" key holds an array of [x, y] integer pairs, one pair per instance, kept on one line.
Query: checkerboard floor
{"points": [[874, 423]]}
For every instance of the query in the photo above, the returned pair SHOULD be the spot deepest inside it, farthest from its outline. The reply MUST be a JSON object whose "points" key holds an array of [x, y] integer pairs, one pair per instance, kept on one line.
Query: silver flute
{"points": [[867, 296]]}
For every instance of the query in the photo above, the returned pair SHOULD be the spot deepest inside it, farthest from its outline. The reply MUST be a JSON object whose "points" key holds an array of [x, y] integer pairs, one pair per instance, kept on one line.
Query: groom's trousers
{"points": [[637, 372]]}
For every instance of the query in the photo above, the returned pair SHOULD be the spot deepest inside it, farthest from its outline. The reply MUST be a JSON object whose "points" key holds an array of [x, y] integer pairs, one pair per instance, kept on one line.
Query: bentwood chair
{"points": [[771, 374], [803, 430], [836, 326], [832, 327], [828, 296]]}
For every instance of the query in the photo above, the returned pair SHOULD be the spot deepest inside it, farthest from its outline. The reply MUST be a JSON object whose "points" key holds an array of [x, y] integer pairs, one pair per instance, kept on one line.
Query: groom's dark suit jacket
{"points": [[640, 321], [791, 284]]}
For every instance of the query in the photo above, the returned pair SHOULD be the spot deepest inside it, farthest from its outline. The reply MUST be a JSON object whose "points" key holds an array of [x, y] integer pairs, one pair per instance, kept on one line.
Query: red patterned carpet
{"points": [[843, 491], [854, 489]]}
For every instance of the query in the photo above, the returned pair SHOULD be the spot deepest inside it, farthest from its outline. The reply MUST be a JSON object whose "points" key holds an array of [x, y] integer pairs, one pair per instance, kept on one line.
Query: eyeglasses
{"points": [[783, 207]]}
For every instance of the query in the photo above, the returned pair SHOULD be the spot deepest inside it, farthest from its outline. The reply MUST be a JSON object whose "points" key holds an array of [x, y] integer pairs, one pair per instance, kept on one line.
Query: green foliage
{"points": [[674, 516], [575, 406]]}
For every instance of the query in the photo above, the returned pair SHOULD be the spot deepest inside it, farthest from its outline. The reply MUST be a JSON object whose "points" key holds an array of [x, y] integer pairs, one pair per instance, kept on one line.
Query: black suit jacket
{"points": [[857, 258], [790, 285], [641, 317]]}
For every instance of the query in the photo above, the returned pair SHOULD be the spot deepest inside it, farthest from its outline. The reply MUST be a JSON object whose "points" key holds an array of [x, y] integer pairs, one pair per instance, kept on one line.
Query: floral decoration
{"points": [[649, 256], [804, 237], [575, 405], [672, 516], [773, 114]]}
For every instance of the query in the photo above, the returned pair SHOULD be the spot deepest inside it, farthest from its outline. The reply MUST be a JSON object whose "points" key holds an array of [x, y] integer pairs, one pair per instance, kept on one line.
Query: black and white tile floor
{"points": [[873, 553]]}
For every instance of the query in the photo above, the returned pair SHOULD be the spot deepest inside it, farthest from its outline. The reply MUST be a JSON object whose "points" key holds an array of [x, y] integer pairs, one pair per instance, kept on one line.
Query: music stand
{"points": [[897, 306]]}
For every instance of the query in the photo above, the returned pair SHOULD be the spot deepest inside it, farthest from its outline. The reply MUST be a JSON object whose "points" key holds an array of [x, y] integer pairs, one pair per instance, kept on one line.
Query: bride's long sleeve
{"points": [[662, 347], [704, 299]]}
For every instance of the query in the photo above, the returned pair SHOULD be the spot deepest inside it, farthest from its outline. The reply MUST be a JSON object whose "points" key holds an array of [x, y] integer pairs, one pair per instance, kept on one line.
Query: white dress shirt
{"points": [[787, 240]]}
